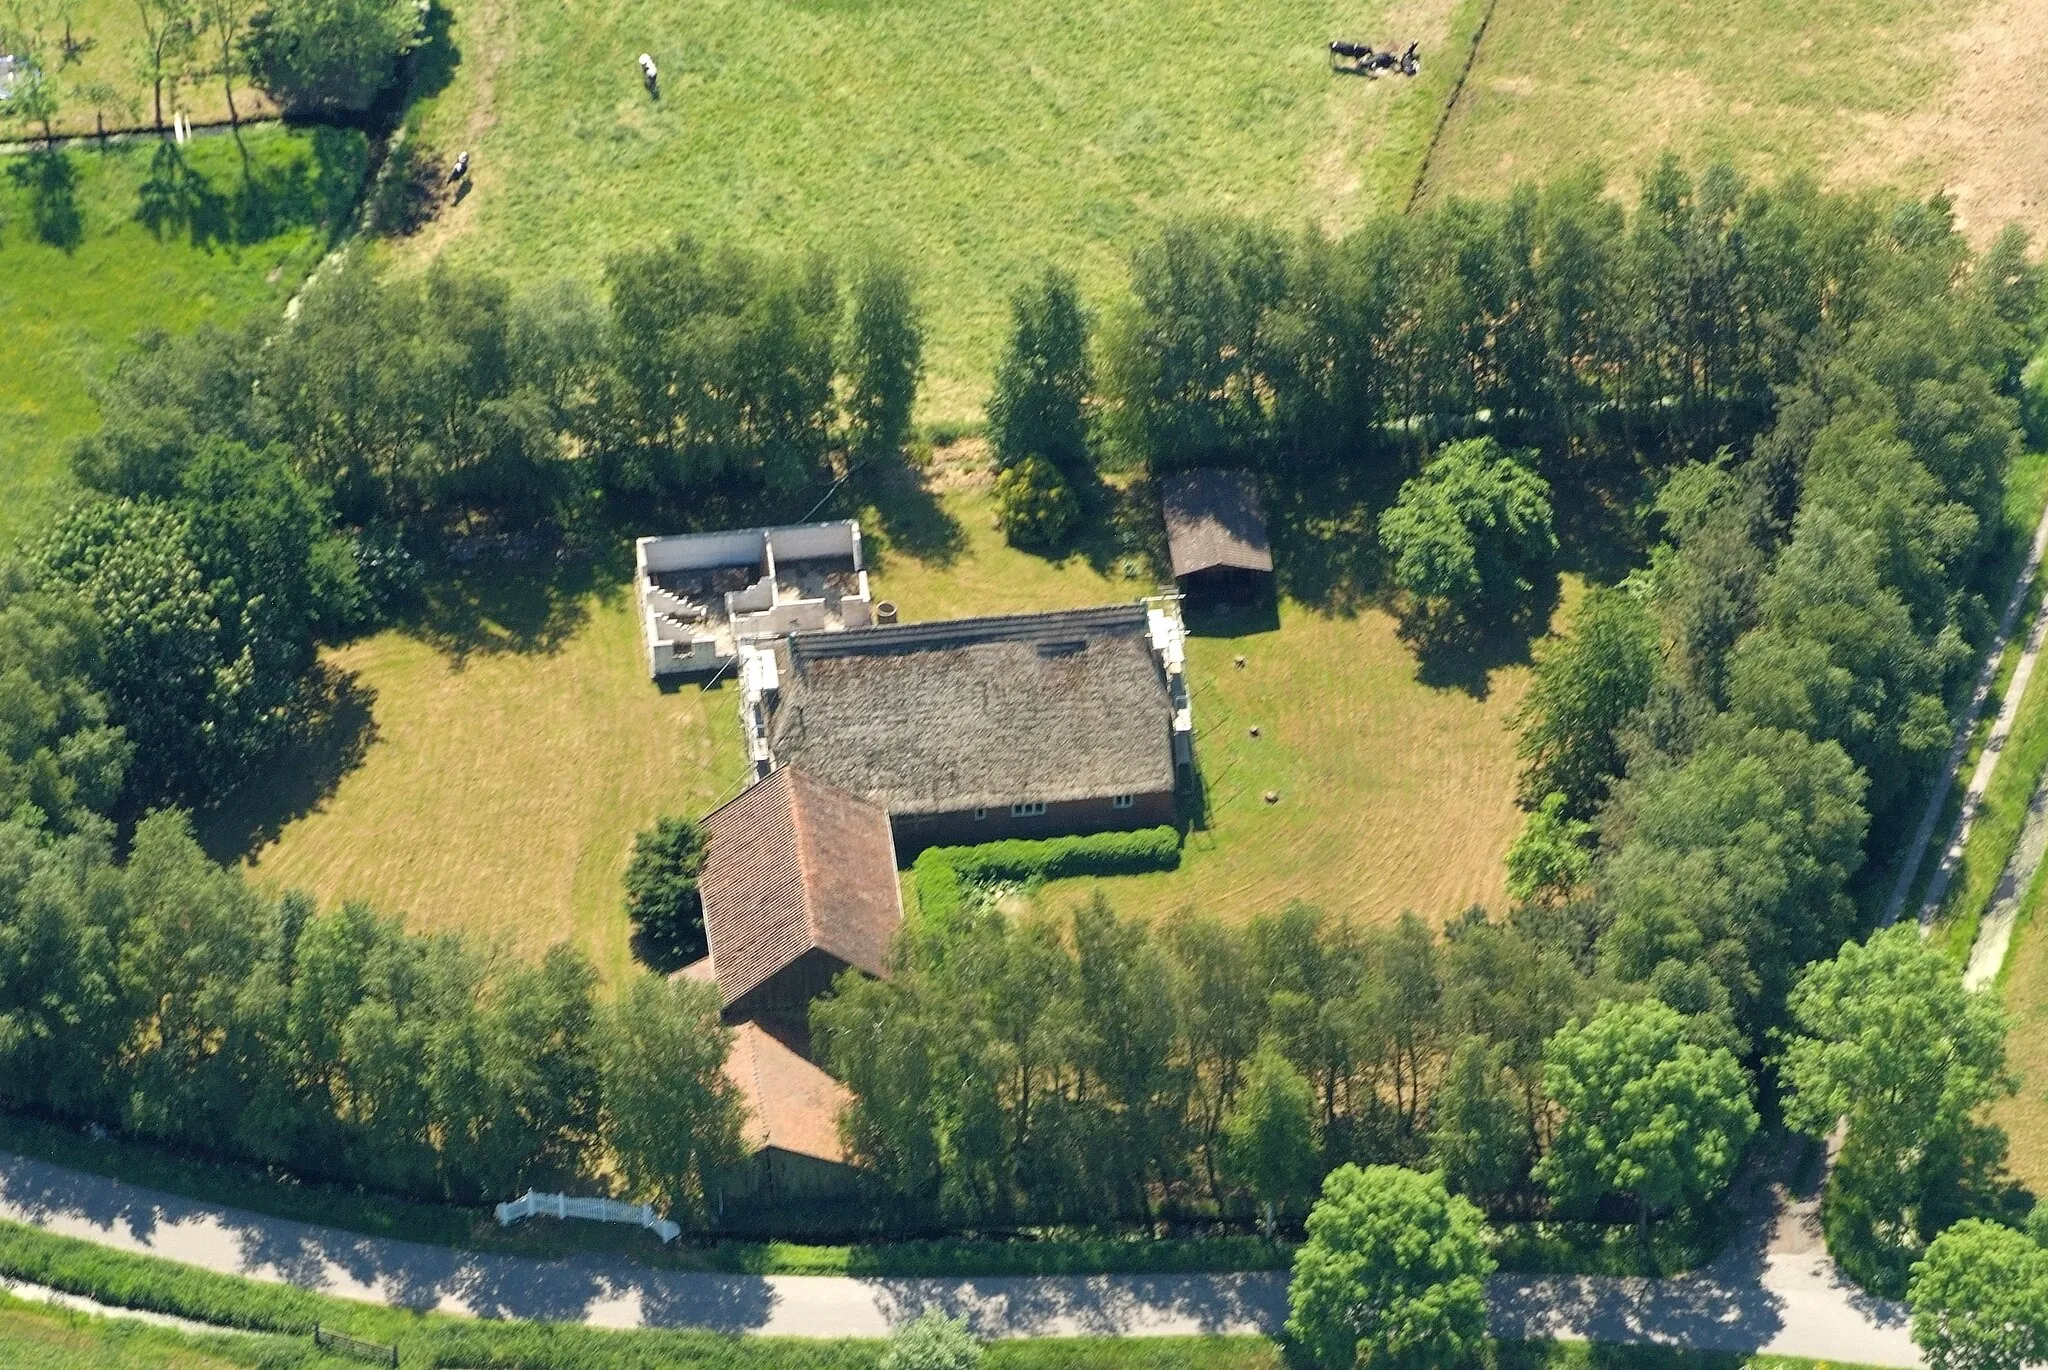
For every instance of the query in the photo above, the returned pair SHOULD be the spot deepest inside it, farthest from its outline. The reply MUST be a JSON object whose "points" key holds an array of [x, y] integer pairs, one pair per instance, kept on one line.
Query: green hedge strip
{"points": [[1057, 858]]}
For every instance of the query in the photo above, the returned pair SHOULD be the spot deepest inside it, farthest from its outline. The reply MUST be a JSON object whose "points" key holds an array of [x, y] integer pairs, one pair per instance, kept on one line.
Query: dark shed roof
{"points": [[793, 865], [980, 712], [1214, 518]]}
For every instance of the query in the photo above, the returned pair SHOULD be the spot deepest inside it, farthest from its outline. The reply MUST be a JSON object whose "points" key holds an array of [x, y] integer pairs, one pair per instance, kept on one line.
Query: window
{"points": [[1124, 801], [980, 814], [1034, 810]]}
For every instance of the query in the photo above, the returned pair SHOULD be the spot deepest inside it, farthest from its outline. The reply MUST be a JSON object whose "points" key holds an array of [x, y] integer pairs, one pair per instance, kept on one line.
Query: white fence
{"points": [[534, 1203]]}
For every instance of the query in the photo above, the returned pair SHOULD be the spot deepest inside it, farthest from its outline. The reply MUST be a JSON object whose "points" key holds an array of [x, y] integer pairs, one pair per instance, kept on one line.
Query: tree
{"points": [[884, 357], [1269, 1140], [661, 887], [1586, 686], [931, 1341], [224, 21], [1885, 1036], [60, 758], [328, 55], [1645, 1112], [1393, 1273], [1549, 858], [1479, 1136], [34, 97], [170, 33], [1739, 858], [671, 1119], [1034, 504], [1041, 389], [1470, 537], [1980, 1299]]}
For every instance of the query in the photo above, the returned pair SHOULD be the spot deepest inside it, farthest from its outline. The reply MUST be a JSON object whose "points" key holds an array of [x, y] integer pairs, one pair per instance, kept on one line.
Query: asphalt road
{"points": [[1774, 1290]]}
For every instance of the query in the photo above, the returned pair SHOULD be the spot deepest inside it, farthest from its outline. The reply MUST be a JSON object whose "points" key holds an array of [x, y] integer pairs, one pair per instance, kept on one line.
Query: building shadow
{"points": [[335, 727]]}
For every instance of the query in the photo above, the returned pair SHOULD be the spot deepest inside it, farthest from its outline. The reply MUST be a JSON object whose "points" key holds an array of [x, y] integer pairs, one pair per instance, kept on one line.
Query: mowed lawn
{"points": [[38, 1338], [83, 271], [104, 82], [1917, 93], [500, 787], [977, 139]]}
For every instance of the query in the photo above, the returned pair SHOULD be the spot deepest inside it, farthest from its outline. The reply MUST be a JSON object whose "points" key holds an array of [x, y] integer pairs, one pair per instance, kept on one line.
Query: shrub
{"points": [[332, 56], [661, 888], [1034, 504], [932, 1341], [939, 892]]}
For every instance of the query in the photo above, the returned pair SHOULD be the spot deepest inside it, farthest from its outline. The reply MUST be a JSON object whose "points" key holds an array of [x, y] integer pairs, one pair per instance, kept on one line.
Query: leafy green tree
{"points": [[1586, 686], [1470, 537], [170, 36], [1393, 1273], [35, 97], [60, 758], [661, 887], [1269, 1139], [1479, 1133], [1885, 1036], [1980, 1299], [1739, 858], [1644, 1112], [931, 1341], [884, 357], [671, 1119], [1550, 857], [1042, 382], [328, 56], [1035, 507]]}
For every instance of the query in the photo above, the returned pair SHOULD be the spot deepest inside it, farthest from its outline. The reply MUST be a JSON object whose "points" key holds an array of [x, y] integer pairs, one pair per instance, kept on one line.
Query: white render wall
{"points": [[756, 611]]}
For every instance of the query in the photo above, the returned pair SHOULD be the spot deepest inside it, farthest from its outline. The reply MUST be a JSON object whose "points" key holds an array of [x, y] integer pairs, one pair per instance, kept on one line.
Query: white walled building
{"points": [[704, 596]]}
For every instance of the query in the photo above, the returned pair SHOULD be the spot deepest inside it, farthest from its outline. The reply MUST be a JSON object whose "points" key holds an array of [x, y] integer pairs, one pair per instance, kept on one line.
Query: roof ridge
{"points": [[801, 833]]}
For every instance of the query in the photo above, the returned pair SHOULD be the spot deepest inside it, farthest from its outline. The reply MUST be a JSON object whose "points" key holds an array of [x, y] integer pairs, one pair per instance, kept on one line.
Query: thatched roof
{"points": [[791, 1105], [1214, 518], [790, 866], [980, 712]]}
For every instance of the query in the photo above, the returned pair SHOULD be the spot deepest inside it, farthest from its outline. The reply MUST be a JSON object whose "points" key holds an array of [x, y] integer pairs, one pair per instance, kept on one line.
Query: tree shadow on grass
{"points": [[527, 595], [903, 505], [51, 181], [333, 733], [1323, 526], [255, 202], [1466, 657]]}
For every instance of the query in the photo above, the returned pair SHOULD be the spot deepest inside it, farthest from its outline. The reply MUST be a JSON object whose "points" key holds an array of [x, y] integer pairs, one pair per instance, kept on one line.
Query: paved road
{"points": [[1773, 1291]]}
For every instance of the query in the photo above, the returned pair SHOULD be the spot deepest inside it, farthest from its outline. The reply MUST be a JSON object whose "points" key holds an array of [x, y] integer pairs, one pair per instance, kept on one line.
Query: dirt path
{"points": [[1994, 746]]}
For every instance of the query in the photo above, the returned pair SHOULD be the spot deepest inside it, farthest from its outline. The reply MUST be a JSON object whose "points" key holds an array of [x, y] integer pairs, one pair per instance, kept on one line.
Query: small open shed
{"points": [[1216, 535]]}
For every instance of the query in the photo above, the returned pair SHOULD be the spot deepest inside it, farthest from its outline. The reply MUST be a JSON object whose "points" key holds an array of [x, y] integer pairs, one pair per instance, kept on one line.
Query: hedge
{"points": [[941, 875]]}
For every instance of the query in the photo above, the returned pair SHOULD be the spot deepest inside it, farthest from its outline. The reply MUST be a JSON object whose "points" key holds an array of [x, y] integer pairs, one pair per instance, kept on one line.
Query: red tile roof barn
{"points": [[791, 1105], [794, 865], [1214, 518]]}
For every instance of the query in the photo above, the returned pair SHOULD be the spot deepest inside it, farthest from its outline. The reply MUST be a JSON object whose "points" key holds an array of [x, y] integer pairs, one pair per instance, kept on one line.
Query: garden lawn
{"points": [[82, 271], [977, 139], [1924, 94], [1393, 794], [491, 766]]}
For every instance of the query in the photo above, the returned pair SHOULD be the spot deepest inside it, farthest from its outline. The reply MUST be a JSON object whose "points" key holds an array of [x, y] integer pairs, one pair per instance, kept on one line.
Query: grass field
{"points": [[487, 770], [34, 1337], [1918, 92], [494, 764], [108, 37], [977, 139], [82, 271]]}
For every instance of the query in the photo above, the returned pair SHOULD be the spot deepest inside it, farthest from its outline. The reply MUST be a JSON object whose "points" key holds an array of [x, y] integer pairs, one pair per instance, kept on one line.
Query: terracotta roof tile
{"points": [[794, 864], [791, 1104]]}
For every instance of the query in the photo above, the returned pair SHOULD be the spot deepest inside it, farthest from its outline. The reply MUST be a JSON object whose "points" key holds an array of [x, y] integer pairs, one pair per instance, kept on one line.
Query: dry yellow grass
{"points": [[502, 789], [507, 766]]}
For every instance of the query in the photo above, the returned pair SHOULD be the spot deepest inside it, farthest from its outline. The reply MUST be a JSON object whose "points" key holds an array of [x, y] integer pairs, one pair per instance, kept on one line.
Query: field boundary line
{"points": [[1443, 119]]}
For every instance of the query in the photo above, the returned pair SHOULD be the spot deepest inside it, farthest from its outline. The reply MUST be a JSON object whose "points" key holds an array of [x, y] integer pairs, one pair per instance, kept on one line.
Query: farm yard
{"points": [[82, 271], [425, 807]]}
